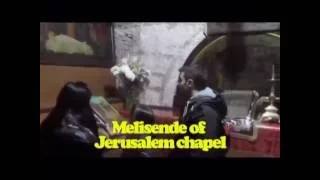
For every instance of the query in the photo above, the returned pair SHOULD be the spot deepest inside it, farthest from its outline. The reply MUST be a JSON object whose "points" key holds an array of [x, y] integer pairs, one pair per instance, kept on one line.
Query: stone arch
{"points": [[211, 49], [262, 50]]}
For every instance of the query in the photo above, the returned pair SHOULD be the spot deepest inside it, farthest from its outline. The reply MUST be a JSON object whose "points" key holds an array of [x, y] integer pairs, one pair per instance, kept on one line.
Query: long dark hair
{"points": [[73, 101]]}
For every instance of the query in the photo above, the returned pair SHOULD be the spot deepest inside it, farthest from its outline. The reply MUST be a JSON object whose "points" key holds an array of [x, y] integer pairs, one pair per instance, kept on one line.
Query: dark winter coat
{"points": [[210, 107]]}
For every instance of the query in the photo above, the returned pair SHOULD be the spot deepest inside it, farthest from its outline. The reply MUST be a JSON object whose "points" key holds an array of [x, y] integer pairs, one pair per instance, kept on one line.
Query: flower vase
{"points": [[131, 100]]}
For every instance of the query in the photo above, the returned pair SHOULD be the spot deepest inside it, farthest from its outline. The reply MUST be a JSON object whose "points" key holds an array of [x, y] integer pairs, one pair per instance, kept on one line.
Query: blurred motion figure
{"points": [[142, 113]]}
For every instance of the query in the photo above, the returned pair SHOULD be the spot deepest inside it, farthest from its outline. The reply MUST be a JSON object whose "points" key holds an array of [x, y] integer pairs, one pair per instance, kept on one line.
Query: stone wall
{"points": [[163, 47], [222, 28]]}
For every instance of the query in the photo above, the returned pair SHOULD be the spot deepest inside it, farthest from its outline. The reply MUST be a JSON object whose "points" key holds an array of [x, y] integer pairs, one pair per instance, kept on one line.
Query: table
{"points": [[267, 143]]}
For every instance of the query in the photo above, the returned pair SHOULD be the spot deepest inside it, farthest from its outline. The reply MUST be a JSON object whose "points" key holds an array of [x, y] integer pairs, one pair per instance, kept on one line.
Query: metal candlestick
{"points": [[271, 111]]}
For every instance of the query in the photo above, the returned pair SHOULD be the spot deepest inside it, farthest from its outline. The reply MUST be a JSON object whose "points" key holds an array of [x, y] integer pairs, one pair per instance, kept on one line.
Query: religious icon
{"points": [[105, 114], [80, 40]]}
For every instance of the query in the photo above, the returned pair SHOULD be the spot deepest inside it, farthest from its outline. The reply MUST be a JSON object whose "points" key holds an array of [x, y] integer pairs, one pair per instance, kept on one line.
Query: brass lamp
{"points": [[271, 111]]}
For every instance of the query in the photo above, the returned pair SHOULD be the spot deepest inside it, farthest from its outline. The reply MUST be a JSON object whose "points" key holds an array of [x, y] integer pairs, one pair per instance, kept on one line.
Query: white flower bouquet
{"points": [[132, 79]]}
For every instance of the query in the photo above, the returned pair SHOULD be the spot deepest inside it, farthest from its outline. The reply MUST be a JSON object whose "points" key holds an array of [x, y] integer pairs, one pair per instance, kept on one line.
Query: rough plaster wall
{"points": [[163, 47]]}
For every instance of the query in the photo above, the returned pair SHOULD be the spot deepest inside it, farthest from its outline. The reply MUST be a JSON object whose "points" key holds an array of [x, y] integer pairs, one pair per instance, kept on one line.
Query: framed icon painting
{"points": [[77, 44]]}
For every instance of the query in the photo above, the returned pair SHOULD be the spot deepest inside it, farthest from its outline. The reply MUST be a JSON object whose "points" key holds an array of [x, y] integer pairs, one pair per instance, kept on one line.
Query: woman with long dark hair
{"points": [[70, 129]]}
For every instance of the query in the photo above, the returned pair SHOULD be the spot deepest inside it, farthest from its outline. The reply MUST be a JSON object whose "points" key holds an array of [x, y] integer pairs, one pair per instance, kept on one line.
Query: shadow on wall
{"points": [[235, 57]]}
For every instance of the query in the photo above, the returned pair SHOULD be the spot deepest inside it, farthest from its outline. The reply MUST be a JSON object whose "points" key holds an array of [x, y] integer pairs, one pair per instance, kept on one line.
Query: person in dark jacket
{"points": [[70, 130], [204, 104]]}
